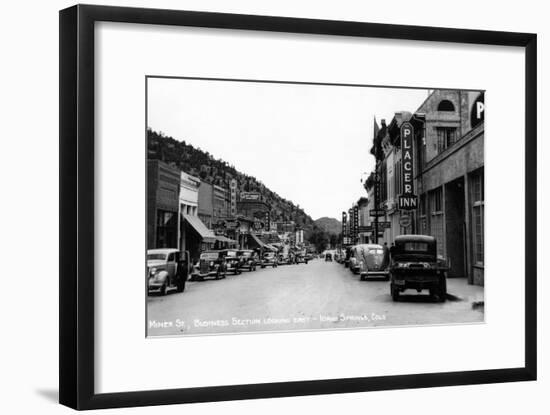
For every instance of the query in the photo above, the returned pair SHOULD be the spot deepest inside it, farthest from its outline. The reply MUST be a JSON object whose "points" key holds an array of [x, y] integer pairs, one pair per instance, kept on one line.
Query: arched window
{"points": [[445, 105]]}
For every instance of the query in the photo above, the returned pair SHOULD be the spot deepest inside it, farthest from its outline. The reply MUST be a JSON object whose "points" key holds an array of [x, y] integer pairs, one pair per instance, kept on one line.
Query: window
{"points": [[446, 105], [478, 203], [446, 137], [437, 227], [166, 229], [422, 205]]}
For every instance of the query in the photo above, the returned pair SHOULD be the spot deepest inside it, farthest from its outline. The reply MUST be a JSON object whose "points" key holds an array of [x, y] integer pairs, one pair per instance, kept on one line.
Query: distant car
{"points": [[249, 259], [285, 259], [167, 269], [269, 260], [415, 265], [233, 261], [210, 264], [328, 257], [301, 259], [371, 261]]}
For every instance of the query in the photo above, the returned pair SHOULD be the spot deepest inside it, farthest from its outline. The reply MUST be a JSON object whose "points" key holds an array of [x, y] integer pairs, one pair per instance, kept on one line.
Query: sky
{"points": [[308, 143]]}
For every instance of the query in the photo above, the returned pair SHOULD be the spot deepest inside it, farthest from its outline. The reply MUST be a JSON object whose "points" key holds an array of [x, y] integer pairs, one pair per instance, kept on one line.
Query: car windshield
{"points": [[231, 254], [152, 257], [247, 254], [376, 251], [415, 247]]}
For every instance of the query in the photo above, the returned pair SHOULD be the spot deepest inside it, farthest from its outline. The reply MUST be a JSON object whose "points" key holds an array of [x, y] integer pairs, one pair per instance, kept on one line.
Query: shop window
{"points": [[446, 105], [166, 229], [478, 207], [446, 137]]}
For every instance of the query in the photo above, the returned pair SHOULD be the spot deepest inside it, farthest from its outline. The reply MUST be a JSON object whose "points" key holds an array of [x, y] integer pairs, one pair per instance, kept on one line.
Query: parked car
{"points": [[210, 264], [353, 262], [414, 264], [249, 259], [269, 260], [167, 269], [370, 261], [285, 259], [328, 257], [301, 259], [233, 261]]}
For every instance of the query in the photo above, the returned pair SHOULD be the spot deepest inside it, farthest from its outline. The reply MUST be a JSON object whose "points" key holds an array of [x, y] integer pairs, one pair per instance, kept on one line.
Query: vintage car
{"points": [[269, 260], [353, 261], [328, 256], [285, 259], [250, 259], [233, 261], [210, 264], [167, 269], [301, 258], [414, 265], [370, 261]]}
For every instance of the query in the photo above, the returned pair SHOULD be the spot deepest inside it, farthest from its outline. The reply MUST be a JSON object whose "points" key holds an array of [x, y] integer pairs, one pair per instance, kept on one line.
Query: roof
{"points": [[162, 250], [368, 246], [222, 238], [414, 238], [206, 234]]}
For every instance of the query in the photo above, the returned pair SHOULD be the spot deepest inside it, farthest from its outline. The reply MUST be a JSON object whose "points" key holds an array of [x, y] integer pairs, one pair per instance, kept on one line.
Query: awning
{"points": [[256, 240], [222, 238], [206, 234]]}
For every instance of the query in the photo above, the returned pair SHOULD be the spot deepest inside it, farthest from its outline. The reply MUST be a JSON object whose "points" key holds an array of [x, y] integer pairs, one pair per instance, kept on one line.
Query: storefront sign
{"points": [[477, 115], [344, 224], [355, 221], [233, 197], [405, 221], [407, 200], [249, 196], [377, 212]]}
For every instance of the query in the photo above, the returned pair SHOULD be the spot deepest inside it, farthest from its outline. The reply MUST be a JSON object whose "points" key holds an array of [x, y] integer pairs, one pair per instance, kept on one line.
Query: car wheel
{"points": [[262, 266], [362, 278], [394, 293], [163, 289]]}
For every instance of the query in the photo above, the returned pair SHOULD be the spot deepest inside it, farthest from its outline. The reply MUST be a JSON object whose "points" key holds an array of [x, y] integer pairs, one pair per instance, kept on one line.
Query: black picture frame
{"points": [[76, 279]]}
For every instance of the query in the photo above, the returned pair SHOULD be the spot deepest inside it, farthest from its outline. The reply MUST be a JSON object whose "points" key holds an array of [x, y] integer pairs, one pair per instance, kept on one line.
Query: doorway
{"points": [[455, 227]]}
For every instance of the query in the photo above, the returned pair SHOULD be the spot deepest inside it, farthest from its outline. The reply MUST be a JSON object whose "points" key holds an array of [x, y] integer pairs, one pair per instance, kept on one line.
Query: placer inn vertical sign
{"points": [[407, 200]]}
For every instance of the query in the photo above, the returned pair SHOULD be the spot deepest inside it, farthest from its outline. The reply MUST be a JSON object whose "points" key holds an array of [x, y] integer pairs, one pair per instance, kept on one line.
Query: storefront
{"points": [[198, 237]]}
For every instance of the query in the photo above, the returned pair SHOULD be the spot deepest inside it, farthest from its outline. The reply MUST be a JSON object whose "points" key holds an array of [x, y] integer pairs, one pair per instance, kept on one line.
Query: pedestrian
{"points": [[386, 256]]}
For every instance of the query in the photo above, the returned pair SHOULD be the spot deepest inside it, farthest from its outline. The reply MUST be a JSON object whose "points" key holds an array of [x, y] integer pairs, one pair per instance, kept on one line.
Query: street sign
{"points": [[384, 224], [377, 212], [405, 221]]}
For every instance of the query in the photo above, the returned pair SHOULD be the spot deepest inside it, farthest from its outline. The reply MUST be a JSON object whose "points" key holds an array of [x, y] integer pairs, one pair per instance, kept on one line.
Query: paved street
{"points": [[319, 295]]}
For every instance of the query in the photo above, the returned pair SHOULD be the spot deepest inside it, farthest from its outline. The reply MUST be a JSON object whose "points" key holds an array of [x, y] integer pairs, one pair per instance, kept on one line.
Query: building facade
{"points": [[448, 154], [163, 187]]}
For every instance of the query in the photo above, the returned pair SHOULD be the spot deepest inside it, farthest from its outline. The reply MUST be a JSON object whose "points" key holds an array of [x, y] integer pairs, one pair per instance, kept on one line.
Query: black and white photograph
{"points": [[284, 206]]}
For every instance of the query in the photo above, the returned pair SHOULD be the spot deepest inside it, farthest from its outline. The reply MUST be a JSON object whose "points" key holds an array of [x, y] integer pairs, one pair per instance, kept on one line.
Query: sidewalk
{"points": [[459, 287]]}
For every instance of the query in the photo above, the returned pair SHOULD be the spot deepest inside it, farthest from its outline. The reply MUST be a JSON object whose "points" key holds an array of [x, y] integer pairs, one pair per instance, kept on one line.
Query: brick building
{"points": [[163, 187]]}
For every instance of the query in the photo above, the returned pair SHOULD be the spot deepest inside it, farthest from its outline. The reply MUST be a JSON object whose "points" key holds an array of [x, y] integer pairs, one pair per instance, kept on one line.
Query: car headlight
{"points": [[360, 263], [211, 263], [152, 271]]}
